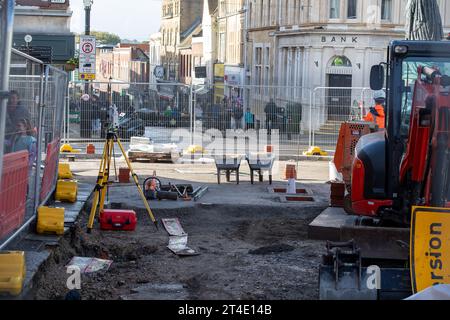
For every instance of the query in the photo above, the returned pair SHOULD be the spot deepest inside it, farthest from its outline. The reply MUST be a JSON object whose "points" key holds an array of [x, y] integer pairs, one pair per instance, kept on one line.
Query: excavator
{"points": [[399, 185]]}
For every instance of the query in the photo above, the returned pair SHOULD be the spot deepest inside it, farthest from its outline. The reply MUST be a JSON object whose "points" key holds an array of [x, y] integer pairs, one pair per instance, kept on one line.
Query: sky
{"points": [[130, 19]]}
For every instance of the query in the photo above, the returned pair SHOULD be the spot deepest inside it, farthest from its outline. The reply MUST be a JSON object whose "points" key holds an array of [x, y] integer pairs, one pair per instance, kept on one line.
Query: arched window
{"points": [[341, 61]]}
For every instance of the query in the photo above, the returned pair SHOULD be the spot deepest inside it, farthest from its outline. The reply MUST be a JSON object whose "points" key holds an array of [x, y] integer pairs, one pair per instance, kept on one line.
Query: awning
{"points": [[166, 97], [201, 91]]}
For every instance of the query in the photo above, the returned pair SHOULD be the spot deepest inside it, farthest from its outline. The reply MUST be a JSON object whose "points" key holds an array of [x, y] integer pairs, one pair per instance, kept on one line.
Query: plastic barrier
{"points": [[13, 191], [50, 220], [12, 272], [51, 169]]}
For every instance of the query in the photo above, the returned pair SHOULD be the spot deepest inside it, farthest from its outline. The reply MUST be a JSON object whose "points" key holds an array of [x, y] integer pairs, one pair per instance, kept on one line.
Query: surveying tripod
{"points": [[101, 187]]}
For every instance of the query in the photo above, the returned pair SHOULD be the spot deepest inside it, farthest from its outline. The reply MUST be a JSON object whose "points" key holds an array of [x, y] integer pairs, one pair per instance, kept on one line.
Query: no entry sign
{"points": [[87, 58]]}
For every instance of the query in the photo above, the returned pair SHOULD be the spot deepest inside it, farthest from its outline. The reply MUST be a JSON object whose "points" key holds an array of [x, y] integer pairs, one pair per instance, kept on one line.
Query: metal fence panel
{"points": [[34, 117], [50, 134], [330, 108], [151, 110], [284, 109], [302, 117]]}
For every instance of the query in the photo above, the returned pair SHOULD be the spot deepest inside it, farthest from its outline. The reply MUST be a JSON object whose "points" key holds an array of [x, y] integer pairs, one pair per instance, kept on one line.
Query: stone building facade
{"points": [[48, 22], [230, 45], [299, 45], [178, 17]]}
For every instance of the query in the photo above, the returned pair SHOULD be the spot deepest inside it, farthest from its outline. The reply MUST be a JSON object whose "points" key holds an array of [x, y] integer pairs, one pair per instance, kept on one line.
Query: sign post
{"points": [[87, 58]]}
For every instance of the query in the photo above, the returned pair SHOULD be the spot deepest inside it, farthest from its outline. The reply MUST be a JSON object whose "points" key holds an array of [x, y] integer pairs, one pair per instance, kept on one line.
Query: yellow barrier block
{"points": [[195, 149], [64, 171], [67, 190], [66, 148], [12, 272], [50, 220], [315, 151]]}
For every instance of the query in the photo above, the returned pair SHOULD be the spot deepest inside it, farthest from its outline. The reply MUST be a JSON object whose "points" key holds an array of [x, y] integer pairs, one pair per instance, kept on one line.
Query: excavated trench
{"points": [[246, 252]]}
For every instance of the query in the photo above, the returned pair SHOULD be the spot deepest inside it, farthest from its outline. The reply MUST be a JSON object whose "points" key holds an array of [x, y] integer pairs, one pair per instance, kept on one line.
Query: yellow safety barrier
{"points": [[195, 149], [66, 148], [50, 220], [64, 171], [66, 190], [315, 151], [12, 272]]}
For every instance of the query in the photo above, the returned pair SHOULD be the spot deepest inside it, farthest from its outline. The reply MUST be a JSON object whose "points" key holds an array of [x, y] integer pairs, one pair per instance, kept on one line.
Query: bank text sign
{"points": [[87, 58], [430, 247]]}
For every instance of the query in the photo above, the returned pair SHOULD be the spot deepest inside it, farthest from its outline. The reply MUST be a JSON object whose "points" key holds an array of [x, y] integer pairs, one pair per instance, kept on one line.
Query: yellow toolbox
{"points": [[66, 190], [64, 171], [50, 220], [12, 272]]}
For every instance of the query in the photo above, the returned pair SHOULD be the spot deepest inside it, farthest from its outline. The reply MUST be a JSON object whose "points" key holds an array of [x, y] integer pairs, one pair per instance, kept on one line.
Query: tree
{"points": [[106, 37], [423, 20]]}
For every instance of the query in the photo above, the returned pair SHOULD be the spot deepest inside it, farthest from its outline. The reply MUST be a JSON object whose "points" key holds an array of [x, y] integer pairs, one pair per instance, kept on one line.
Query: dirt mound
{"points": [[236, 244]]}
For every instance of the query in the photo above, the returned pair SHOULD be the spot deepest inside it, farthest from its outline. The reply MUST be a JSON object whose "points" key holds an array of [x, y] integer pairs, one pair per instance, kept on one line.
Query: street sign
{"points": [[44, 53], [200, 72], [87, 58], [28, 38]]}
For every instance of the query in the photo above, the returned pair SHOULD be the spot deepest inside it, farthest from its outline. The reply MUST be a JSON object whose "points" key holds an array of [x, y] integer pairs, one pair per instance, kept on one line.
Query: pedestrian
{"points": [[24, 140], [271, 115], [376, 114], [237, 115], [96, 115], [249, 120], [15, 113]]}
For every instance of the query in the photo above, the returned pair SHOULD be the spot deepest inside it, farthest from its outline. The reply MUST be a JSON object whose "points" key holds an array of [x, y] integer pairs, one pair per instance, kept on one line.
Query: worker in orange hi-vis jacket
{"points": [[376, 114]]}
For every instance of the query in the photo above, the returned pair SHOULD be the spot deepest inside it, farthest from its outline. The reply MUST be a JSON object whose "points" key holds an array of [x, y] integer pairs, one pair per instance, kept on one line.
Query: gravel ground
{"points": [[249, 249], [245, 253]]}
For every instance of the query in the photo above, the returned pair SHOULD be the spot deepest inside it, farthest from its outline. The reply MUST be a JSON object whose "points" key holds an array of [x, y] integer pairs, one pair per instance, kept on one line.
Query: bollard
{"points": [[90, 149], [291, 177]]}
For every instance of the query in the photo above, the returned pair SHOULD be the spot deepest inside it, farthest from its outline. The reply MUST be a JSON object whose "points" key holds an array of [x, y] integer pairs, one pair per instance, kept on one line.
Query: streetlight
{"points": [[87, 9]]}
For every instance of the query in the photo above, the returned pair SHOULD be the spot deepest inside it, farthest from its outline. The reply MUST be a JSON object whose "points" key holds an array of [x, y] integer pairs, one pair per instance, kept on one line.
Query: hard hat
{"points": [[380, 94]]}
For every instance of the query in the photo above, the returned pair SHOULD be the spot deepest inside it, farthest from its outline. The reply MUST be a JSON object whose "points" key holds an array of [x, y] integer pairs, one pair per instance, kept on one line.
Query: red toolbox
{"points": [[118, 220]]}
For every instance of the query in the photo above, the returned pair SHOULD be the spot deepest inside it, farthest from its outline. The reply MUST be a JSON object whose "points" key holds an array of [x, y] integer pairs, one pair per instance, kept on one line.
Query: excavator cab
{"points": [[400, 185], [397, 168]]}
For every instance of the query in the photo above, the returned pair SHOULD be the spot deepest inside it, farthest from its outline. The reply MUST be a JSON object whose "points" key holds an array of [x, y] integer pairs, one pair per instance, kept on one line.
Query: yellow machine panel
{"points": [[12, 272], [430, 247], [64, 171], [66, 190], [50, 220]]}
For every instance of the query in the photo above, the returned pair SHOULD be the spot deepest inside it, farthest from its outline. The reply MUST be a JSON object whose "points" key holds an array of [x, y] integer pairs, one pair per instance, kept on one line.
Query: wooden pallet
{"points": [[149, 156]]}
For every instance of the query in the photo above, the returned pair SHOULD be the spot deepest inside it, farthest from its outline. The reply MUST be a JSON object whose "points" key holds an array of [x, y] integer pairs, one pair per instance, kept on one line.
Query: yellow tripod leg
{"points": [[98, 189], [136, 181], [106, 175]]}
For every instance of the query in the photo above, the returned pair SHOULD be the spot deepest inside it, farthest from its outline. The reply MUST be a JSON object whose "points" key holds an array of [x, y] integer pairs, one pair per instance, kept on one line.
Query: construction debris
{"points": [[178, 238], [89, 265]]}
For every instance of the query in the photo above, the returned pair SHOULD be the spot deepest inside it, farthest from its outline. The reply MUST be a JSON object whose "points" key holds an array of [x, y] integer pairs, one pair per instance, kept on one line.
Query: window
{"points": [[258, 69], [222, 47], [386, 10], [261, 13], [266, 70], [261, 69], [341, 61], [351, 9], [335, 11]]}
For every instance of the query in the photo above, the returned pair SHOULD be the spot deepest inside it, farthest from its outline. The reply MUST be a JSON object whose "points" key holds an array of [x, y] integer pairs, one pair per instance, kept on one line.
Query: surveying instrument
{"points": [[101, 187]]}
